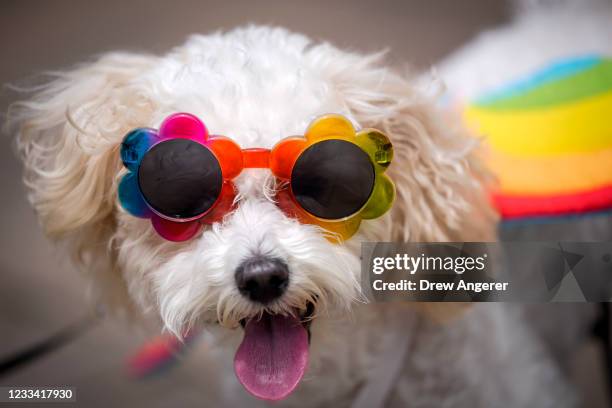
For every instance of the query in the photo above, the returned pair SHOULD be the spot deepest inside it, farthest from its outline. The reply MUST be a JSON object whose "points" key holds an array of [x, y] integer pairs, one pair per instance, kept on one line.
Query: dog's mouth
{"points": [[273, 355]]}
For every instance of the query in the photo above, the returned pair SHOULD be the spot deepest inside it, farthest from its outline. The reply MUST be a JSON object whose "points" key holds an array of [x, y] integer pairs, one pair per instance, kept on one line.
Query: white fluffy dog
{"points": [[258, 85]]}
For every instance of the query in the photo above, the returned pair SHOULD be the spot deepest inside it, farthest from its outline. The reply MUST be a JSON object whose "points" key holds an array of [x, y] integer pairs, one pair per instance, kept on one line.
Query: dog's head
{"points": [[257, 267]]}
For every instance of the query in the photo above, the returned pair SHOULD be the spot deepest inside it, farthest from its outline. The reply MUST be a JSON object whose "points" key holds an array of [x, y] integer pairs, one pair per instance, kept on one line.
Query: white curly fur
{"points": [[258, 85]]}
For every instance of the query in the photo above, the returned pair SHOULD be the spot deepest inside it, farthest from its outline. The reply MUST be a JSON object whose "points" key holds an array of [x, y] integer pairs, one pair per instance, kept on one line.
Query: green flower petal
{"points": [[381, 200], [378, 146]]}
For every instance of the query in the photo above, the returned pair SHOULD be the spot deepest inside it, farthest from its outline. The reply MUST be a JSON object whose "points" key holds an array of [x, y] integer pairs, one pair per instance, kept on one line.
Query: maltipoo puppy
{"points": [[180, 224]]}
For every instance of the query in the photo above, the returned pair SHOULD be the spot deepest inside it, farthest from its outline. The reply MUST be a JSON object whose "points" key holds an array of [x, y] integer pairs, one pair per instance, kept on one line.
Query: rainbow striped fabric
{"points": [[550, 140]]}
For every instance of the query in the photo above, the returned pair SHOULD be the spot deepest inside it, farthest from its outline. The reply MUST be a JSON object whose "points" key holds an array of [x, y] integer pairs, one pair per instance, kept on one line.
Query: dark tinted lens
{"points": [[180, 178], [332, 179]]}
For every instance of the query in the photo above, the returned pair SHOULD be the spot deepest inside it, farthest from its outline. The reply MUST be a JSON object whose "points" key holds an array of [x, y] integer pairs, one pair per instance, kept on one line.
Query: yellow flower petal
{"points": [[341, 229], [330, 126]]}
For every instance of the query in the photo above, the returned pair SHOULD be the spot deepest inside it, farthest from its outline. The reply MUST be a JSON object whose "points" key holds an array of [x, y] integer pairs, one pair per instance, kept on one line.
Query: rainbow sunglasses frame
{"points": [[233, 160]]}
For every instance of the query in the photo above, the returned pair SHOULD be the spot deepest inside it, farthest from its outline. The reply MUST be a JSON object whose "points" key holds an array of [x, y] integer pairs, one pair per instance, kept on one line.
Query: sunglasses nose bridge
{"points": [[256, 158]]}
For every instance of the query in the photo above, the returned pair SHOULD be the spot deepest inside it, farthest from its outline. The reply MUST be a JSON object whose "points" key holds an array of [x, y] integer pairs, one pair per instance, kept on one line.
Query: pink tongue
{"points": [[272, 357]]}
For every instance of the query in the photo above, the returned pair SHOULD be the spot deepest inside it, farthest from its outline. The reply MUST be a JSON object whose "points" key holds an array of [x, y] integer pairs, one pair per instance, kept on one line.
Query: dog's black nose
{"points": [[262, 279]]}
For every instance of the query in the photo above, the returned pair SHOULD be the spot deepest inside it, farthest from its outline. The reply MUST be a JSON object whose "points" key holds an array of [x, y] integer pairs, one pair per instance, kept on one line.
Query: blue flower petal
{"points": [[134, 146], [131, 198]]}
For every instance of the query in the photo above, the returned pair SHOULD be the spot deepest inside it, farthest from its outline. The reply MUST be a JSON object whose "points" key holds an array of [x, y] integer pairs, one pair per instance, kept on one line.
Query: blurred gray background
{"points": [[39, 291]]}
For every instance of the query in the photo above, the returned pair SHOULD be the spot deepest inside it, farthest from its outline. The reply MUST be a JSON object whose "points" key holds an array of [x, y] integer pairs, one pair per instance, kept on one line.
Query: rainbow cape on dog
{"points": [[549, 140]]}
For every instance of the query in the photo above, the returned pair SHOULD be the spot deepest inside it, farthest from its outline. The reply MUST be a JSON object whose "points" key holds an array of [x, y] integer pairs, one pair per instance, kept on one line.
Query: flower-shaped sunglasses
{"points": [[181, 178]]}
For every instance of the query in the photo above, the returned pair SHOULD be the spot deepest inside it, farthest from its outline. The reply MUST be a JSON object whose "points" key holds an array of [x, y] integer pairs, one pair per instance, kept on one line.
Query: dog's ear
{"points": [[68, 135], [440, 182]]}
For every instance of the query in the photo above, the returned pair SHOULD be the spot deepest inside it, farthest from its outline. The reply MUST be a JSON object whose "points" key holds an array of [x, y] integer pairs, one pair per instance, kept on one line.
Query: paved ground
{"points": [[39, 291]]}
